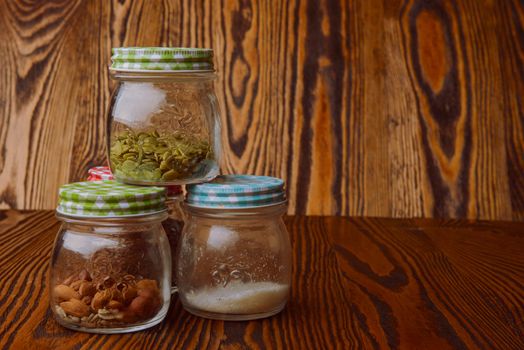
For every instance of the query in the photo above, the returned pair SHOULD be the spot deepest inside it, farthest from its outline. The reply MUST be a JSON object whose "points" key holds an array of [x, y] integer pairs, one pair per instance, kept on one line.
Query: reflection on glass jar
{"points": [[111, 263], [234, 262], [164, 120]]}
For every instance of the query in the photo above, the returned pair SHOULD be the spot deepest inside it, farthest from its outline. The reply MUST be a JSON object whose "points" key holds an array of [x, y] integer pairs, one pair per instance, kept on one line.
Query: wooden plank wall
{"points": [[395, 108]]}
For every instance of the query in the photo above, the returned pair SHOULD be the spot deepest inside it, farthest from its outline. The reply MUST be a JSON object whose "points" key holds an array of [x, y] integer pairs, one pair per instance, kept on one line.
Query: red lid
{"points": [[173, 190], [100, 173]]}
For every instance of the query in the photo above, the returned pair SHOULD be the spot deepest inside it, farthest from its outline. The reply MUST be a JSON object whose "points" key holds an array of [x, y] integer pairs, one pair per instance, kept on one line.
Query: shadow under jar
{"points": [[164, 123], [111, 262], [234, 258]]}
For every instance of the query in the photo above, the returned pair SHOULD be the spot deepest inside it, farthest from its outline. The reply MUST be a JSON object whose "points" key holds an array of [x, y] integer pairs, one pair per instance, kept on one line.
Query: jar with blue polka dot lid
{"points": [[111, 261], [234, 258]]}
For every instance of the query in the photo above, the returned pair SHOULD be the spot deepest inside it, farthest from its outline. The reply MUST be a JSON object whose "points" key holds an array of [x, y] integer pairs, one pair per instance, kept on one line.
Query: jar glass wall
{"points": [[173, 226], [234, 264], [164, 128], [110, 275]]}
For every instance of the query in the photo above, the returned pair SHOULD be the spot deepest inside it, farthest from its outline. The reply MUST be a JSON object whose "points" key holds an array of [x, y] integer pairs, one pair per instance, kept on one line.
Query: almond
{"points": [[69, 279], [116, 295], [101, 299], [144, 306], [128, 316], [148, 293], [113, 304], [87, 289], [87, 300], [129, 293], [75, 307], [76, 284], [147, 284], [64, 293], [84, 275]]}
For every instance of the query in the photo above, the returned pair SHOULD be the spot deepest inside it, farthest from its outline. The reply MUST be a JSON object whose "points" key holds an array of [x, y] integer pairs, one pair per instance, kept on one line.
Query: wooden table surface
{"points": [[358, 283]]}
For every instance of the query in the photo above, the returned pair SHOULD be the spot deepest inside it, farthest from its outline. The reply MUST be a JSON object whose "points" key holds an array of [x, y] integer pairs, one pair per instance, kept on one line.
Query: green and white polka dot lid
{"points": [[161, 59], [237, 191], [109, 198]]}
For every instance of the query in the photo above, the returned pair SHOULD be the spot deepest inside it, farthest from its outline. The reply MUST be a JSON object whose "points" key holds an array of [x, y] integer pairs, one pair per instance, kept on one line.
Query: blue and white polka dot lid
{"points": [[237, 191]]}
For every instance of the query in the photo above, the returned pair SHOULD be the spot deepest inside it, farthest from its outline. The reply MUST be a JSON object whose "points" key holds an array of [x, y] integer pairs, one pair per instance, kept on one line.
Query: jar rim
{"points": [[133, 74], [262, 210], [157, 216]]}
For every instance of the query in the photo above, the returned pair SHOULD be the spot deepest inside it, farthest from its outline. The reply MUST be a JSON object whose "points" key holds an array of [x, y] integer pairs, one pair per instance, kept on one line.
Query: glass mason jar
{"points": [[174, 222], [111, 262], [173, 226], [234, 258], [164, 123]]}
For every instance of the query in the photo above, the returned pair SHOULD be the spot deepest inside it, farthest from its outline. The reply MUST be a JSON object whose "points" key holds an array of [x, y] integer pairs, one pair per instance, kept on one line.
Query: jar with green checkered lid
{"points": [[164, 123], [111, 262]]}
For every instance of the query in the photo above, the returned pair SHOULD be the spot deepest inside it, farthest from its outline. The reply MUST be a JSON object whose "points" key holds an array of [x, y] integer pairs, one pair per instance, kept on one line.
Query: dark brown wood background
{"points": [[366, 107]]}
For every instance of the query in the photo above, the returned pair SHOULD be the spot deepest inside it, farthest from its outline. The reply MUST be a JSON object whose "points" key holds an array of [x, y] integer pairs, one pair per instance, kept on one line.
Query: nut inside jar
{"points": [[110, 281], [107, 302]]}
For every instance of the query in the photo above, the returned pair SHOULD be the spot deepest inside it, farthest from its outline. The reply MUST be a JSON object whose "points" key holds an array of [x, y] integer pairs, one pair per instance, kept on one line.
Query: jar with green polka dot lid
{"points": [[111, 261], [164, 123]]}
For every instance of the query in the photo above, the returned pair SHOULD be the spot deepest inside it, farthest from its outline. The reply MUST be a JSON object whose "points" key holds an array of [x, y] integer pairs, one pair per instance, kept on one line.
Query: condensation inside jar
{"points": [[164, 133]]}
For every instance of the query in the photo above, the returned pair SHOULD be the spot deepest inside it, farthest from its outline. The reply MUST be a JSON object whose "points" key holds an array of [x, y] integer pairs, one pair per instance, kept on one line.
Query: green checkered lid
{"points": [[237, 191], [161, 59], [109, 198]]}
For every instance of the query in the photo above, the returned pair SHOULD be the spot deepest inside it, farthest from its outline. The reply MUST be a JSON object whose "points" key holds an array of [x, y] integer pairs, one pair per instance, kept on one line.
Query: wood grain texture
{"points": [[357, 284], [399, 108]]}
